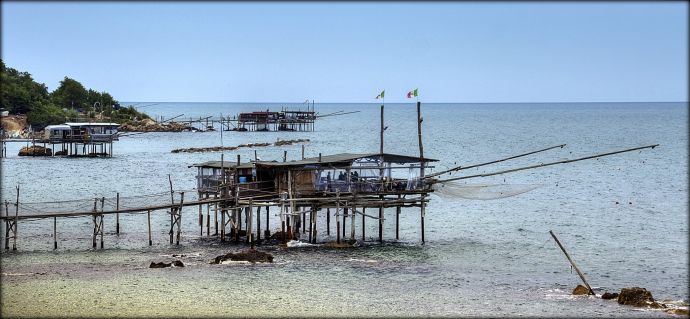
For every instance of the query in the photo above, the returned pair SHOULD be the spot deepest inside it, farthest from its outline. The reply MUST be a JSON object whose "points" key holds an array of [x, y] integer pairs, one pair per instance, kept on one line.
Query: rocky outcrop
{"points": [[35, 151], [580, 290], [148, 125], [638, 297], [250, 255], [609, 295]]}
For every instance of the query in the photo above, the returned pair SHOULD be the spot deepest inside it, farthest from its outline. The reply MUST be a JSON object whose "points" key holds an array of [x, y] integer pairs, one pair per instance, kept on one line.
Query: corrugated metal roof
{"points": [[343, 158]]}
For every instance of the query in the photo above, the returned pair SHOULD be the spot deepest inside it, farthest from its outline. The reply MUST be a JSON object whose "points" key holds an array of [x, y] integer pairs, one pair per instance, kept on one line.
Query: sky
{"points": [[456, 52]]}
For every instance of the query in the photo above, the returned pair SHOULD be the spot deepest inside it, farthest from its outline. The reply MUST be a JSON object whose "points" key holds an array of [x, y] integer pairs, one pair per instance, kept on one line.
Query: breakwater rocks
{"points": [[176, 263], [148, 125], [35, 151], [232, 148], [637, 297], [250, 255]]}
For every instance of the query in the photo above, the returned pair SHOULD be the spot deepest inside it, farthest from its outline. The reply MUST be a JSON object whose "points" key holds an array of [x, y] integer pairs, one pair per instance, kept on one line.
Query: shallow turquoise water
{"points": [[482, 257]]}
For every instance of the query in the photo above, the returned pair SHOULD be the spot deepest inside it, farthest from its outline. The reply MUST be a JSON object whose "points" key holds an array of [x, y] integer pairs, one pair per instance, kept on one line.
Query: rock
{"points": [[160, 265], [250, 255], [580, 290], [60, 153], [343, 244], [178, 263], [677, 311], [35, 151], [609, 295], [636, 296]]}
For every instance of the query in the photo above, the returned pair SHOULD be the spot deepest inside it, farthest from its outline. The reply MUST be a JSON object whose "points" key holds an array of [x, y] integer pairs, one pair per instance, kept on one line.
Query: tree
{"points": [[70, 94]]}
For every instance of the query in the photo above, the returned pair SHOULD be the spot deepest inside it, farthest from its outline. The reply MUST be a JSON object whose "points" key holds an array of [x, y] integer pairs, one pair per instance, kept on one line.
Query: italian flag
{"points": [[380, 96], [412, 93]]}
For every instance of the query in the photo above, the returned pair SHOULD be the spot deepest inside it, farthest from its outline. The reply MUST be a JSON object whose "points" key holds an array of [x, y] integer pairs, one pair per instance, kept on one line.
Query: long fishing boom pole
{"points": [[549, 164], [458, 168]]}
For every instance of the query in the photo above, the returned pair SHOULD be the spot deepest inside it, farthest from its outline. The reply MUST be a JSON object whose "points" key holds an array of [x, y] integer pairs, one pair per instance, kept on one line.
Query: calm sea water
{"points": [[481, 258]]}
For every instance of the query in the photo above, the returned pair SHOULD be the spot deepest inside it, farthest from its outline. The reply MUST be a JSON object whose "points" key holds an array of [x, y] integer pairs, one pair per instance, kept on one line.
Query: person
{"points": [[341, 176], [328, 181]]}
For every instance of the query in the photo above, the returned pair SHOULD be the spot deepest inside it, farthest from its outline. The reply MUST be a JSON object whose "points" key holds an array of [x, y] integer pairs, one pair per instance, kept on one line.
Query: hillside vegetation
{"points": [[71, 101]]}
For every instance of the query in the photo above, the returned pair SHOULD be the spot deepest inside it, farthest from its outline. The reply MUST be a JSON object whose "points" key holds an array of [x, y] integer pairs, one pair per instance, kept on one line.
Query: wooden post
{"points": [[222, 226], [422, 217], [337, 211], [591, 292], [148, 218], [267, 232], [16, 220], [215, 216], [54, 232], [344, 220], [117, 215], [397, 220], [179, 219], [328, 221], [303, 221], [258, 224], [208, 219], [7, 225], [102, 230], [302, 151], [419, 136], [352, 221], [364, 211], [93, 237], [311, 224], [382, 129], [201, 218], [381, 220], [249, 225], [284, 156]]}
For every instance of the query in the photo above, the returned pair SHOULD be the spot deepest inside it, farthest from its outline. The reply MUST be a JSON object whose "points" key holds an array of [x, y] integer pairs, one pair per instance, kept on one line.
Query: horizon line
{"points": [[411, 102]]}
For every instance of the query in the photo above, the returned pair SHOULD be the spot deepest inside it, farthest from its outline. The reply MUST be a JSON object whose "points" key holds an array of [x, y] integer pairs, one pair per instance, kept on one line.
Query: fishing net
{"points": [[481, 191]]}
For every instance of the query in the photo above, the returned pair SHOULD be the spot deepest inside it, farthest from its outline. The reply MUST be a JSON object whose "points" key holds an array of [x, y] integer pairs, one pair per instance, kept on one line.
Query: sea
{"points": [[623, 219]]}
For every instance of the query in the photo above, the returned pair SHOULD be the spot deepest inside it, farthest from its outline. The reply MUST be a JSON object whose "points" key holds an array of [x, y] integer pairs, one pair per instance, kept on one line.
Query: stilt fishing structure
{"points": [[300, 192], [78, 139]]}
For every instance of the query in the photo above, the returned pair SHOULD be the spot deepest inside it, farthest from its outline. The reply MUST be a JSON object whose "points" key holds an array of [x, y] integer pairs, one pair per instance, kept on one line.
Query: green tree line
{"points": [[20, 94]]}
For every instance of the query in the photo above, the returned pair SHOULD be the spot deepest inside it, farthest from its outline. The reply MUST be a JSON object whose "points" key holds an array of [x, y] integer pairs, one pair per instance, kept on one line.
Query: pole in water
{"points": [[591, 292]]}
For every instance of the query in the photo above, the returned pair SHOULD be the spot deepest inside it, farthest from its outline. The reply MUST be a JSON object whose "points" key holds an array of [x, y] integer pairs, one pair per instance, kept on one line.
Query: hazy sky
{"points": [[350, 51]]}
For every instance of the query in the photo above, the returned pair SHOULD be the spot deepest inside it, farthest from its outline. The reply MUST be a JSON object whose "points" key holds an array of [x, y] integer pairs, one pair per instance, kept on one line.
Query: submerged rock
{"points": [[638, 297], [160, 265], [35, 151], [678, 311], [580, 290], [342, 244], [250, 255], [176, 263], [609, 295]]}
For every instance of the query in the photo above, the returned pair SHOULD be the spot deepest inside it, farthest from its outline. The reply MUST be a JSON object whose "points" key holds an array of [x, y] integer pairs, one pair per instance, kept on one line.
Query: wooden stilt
{"points": [[328, 221], [222, 226], [54, 232], [208, 218], [364, 211], [352, 221], [422, 217], [148, 218], [397, 220], [258, 224], [381, 220], [267, 232], [201, 219], [117, 215], [102, 230], [215, 217], [337, 221], [344, 220]]}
